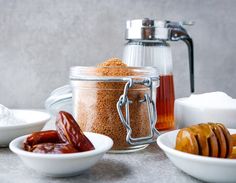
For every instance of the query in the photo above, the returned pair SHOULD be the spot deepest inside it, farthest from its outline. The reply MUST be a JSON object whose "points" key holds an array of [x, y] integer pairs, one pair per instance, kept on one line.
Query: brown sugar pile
{"points": [[96, 105], [113, 67], [113, 62]]}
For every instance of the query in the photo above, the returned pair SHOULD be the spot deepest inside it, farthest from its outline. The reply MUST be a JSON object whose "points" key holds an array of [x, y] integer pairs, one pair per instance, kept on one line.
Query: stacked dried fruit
{"points": [[212, 139], [67, 138]]}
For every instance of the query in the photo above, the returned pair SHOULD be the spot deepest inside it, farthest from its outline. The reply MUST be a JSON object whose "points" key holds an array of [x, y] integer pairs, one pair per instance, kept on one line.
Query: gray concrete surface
{"points": [[150, 165], [40, 40]]}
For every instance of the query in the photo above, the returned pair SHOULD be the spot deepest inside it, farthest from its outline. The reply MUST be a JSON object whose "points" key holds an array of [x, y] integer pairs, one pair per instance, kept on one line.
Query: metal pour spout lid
{"points": [[150, 29]]}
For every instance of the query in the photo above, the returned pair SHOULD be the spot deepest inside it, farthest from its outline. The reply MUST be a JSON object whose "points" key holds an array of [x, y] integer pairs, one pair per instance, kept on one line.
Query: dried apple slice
{"points": [[233, 154], [211, 139], [233, 136], [220, 139], [201, 139], [186, 141], [229, 141]]}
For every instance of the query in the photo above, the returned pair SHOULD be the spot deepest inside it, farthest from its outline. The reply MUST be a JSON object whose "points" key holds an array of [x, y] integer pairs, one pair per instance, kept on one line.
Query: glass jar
{"points": [[117, 102], [59, 99]]}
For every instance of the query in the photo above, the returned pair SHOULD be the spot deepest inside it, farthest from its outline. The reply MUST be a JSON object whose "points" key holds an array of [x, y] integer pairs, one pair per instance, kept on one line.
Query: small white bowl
{"points": [[187, 114], [203, 168], [63, 165], [32, 121]]}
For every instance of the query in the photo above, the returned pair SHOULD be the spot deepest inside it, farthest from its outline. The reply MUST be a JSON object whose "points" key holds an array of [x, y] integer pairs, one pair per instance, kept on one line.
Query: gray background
{"points": [[40, 40]]}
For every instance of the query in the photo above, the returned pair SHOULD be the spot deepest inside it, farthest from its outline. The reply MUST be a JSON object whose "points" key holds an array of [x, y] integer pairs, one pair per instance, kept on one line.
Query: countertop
{"points": [[148, 165]]}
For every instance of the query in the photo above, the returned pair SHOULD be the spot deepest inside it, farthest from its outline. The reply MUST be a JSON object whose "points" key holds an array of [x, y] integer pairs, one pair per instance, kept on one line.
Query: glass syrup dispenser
{"points": [[147, 46]]}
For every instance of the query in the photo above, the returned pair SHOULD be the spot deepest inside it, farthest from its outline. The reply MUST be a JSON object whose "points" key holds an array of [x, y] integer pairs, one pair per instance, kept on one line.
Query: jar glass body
{"points": [[156, 53], [95, 100]]}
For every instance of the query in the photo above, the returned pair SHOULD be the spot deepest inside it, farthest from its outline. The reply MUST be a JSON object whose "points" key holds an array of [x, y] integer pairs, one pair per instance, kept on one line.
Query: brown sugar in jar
{"points": [[96, 91]]}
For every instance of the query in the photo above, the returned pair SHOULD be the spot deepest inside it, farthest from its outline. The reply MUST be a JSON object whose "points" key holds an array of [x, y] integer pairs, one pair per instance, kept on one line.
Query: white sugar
{"points": [[212, 100], [7, 117]]}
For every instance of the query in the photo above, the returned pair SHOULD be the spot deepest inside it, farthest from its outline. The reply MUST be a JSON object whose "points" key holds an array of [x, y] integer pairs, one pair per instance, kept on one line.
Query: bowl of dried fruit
{"points": [[66, 151], [204, 151]]}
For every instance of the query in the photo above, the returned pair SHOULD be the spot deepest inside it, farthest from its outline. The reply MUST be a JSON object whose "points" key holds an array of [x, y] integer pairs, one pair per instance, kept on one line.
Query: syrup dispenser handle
{"points": [[176, 33], [189, 42]]}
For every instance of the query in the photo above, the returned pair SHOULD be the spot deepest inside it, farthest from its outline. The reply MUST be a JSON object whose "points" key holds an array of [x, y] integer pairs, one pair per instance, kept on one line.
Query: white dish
{"points": [[187, 114], [32, 121], [203, 168], [63, 165]]}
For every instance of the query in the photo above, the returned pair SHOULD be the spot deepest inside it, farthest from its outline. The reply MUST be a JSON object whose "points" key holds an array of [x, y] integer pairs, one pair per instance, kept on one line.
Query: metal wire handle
{"points": [[152, 115]]}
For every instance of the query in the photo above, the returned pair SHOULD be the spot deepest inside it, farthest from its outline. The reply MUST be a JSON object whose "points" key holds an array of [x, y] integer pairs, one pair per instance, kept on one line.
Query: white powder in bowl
{"points": [[7, 117], [211, 100]]}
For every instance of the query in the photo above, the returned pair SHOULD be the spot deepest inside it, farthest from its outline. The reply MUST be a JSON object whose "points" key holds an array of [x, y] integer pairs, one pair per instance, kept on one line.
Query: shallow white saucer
{"points": [[31, 121], [204, 168], [63, 165]]}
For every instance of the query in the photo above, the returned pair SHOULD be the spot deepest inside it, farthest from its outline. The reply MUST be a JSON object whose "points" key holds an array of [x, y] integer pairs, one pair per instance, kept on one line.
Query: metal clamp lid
{"points": [[151, 108]]}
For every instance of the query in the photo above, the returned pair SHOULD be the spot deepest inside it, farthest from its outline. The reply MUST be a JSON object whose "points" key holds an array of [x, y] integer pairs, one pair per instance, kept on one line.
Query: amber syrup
{"points": [[165, 103]]}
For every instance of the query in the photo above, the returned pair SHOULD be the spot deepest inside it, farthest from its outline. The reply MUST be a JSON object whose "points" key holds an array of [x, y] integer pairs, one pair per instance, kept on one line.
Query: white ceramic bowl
{"points": [[187, 114], [204, 168], [63, 165], [33, 121]]}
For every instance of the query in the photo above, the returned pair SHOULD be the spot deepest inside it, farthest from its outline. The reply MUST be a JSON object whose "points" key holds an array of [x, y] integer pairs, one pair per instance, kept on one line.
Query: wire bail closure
{"points": [[151, 108]]}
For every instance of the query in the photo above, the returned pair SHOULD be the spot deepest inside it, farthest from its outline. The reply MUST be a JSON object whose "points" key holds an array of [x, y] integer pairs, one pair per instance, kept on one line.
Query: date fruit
{"points": [[50, 136], [51, 148], [69, 131], [67, 139]]}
